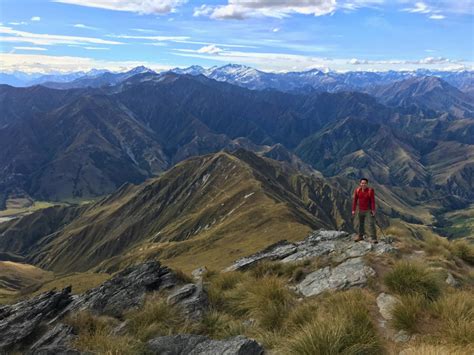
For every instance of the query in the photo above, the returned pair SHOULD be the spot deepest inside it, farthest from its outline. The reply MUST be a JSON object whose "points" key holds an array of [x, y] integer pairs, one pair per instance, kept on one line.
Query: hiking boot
{"points": [[358, 238], [374, 240]]}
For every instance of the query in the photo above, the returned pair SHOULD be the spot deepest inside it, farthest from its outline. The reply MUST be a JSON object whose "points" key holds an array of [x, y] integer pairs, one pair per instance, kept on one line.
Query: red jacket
{"points": [[366, 199]]}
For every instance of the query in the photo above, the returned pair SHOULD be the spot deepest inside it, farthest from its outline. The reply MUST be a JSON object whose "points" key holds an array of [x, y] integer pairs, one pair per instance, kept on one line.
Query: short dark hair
{"points": [[364, 179]]}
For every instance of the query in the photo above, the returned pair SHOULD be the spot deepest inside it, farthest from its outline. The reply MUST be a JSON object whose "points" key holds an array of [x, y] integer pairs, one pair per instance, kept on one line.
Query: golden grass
{"points": [[95, 335], [80, 282], [342, 326], [410, 278], [157, 318], [407, 313], [455, 314]]}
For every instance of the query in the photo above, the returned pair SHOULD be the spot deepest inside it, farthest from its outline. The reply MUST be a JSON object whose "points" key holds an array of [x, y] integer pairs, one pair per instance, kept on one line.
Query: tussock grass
{"points": [[425, 349], [157, 318], [343, 326], [406, 313], [95, 335], [293, 271], [455, 312], [220, 325], [268, 301], [463, 250], [409, 278]]}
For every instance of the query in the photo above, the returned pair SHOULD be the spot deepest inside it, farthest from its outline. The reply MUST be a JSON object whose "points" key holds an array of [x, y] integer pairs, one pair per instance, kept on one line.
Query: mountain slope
{"points": [[215, 208], [428, 93]]}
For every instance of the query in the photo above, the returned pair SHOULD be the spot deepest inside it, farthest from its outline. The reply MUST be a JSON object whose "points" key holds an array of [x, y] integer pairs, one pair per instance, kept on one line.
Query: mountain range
{"points": [[252, 78], [61, 143]]}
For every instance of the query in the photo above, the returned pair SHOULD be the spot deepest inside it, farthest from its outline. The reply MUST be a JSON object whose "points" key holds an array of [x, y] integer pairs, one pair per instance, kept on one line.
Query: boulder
{"points": [[125, 290], [55, 341], [189, 344], [336, 244], [350, 273], [386, 303], [21, 320], [192, 298]]}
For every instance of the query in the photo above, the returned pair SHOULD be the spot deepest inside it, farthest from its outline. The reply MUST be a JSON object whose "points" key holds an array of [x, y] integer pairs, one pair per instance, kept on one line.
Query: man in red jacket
{"points": [[366, 197]]}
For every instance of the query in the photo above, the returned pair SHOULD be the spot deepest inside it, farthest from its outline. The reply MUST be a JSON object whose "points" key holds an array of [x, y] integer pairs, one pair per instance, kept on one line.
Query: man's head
{"points": [[363, 182]]}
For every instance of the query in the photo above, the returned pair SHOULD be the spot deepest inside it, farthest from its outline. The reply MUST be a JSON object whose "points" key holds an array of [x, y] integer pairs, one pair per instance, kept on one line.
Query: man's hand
{"points": [[372, 213], [353, 213]]}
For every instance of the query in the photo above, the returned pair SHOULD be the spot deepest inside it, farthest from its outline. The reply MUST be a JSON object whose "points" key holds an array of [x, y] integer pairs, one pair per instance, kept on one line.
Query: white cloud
{"points": [[153, 38], [282, 62], [432, 10], [437, 17], [242, 9], [30, 48], [427, 60], [96, 48], [17, 23], [32, 63], [276, 29], [7, 34], [138, 6], [81, 25], [36, 18], [420, 7], [210, 49]]}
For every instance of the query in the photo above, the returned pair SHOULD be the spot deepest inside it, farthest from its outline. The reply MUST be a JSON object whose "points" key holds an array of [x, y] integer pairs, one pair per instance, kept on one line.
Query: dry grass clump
{"points": [[455, 315], [409, 278], [94, 334], [220, 325], [463, 250], [157, 318], [268, 301], [407, 312], [342, 326], [426, 349]]}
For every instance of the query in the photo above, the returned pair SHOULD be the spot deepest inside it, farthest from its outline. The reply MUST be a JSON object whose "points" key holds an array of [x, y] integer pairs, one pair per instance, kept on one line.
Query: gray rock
{"points": [[55, 341], [188, 344], [351, 273], [192, 298], [386, 302], [199, 272], [125, 290], [337, 244], [21, 320], [451, 281], [275, 251], [401, 337]]}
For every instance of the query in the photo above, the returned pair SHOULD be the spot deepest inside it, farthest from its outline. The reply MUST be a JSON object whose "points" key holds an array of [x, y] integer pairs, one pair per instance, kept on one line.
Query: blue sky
{"points": [[271, 35]]}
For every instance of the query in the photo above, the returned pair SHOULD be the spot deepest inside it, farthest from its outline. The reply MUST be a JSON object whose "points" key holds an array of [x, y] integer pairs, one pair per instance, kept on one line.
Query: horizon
{"points": [[64, 36]]}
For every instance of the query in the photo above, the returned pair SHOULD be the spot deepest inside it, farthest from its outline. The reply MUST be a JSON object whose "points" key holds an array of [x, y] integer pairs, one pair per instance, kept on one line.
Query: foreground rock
{"points": [[188, 344], [386, 304], [336, 244], [351, 273], [18, 322], [192, 298], [125, 290], [37, 321]]}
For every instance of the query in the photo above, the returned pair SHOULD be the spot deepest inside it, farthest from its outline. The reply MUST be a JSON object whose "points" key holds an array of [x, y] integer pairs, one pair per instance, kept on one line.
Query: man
{"points": [[366, 198]]}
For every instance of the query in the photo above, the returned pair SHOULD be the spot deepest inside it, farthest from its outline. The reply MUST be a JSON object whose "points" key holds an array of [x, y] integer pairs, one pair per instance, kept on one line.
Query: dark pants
{"points": [[363, 215]]}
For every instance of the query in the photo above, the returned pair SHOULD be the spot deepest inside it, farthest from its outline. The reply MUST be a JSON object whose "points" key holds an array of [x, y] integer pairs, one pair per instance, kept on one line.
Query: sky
{"points": [[46, 36]]}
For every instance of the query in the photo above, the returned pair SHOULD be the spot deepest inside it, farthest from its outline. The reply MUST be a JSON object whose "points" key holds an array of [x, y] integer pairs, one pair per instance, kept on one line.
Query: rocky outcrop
{"points": [[20, 321], [336, 244], [126, 290], [192, 298], [350, 273], [55, 341], [188, 344], [34, 325]]}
